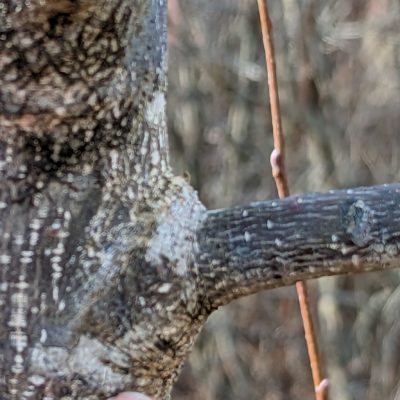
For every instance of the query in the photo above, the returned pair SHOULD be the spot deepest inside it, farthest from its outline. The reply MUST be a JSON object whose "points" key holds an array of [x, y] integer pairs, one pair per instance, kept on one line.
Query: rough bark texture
{"points": [[276, 243], [110, 265], [95, 230]]}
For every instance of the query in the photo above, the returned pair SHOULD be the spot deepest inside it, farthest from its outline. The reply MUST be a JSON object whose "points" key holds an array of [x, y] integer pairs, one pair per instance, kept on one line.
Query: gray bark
{"points": [[276, 243], [109, 264]]}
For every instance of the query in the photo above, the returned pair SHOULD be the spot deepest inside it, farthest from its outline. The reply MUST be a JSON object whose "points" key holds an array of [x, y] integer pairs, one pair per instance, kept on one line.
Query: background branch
{"points": [[281, 182]]}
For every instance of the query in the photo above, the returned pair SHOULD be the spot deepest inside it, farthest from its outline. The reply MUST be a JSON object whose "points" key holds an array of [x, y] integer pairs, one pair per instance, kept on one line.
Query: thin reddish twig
{"points": [[279, 174]]}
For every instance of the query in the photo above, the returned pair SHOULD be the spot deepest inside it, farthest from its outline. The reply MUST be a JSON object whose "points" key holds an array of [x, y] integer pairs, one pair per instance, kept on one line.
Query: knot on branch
{"points": [[357, 221]]}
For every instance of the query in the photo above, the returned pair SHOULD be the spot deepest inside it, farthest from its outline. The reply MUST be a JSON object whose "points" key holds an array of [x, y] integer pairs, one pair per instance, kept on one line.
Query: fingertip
{"points": [[130, 396]]}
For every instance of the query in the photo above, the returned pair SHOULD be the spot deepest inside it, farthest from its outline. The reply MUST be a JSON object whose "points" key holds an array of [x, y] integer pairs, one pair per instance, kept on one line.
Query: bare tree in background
{"points": [[110, 265]]}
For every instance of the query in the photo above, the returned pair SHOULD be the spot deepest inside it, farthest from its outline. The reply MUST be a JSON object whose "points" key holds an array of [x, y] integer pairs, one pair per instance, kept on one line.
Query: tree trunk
{"points": [[110, 265]]}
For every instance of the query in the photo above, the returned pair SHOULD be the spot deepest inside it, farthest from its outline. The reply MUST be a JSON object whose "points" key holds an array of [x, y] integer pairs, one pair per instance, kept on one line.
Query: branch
{"points": [[279, 173], [277, 243]]}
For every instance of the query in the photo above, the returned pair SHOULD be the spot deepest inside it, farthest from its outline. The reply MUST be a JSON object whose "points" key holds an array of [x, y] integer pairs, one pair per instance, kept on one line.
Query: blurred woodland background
{"points": [[339, 79]]}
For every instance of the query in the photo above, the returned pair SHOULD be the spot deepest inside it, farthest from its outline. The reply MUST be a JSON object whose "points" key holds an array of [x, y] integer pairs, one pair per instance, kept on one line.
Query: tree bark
{"points": [[93, 296], [109, 264], [276, 243]]}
